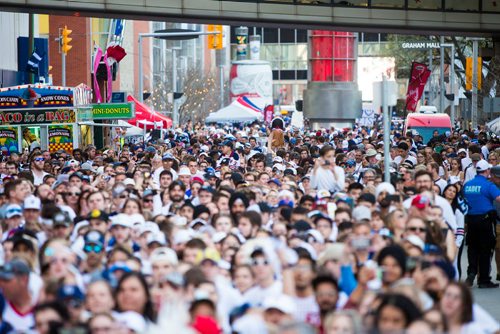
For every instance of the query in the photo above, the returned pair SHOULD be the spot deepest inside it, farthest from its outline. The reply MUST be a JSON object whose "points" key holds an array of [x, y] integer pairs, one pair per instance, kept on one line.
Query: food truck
{"points": [[41, 115]]}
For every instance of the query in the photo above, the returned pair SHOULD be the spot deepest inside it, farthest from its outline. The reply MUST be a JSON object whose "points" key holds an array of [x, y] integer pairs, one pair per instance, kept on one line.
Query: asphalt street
{"points": [[487, 298]]}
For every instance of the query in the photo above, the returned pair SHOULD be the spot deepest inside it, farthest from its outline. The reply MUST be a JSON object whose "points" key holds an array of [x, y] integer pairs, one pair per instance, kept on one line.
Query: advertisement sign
{"points": [[8, 140], [113, 111], [268, 114], [241, 42], [34, 116], [419, 75], [60, 138], [31, 96], [253, 79]]}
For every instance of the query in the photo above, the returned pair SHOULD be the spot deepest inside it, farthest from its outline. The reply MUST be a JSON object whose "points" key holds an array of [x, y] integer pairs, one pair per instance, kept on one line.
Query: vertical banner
{"points": [[8, 140], [241, 43], [268, 114], [255, 47], [418, 78], [61, 138]]}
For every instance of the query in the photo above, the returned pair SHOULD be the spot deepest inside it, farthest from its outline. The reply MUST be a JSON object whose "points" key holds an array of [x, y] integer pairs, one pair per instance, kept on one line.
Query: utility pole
{"points": [[441, 76], [31, 43], [387, 129], [474, 84]]}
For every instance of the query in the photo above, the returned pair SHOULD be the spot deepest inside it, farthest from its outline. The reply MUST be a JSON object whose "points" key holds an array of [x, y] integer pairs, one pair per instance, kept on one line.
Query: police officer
{"points": [[481, 194]]}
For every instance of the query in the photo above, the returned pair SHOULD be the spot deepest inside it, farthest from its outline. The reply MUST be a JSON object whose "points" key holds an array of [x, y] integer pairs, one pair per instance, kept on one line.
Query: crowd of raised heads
{"points": [[252, 228]]}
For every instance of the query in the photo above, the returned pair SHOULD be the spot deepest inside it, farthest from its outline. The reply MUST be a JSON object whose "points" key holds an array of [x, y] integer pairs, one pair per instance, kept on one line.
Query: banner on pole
{"points": [[419, 75]]}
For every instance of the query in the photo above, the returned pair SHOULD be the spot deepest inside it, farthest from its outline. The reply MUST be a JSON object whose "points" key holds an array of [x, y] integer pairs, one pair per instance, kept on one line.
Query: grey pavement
{"points": [[489, 299]]}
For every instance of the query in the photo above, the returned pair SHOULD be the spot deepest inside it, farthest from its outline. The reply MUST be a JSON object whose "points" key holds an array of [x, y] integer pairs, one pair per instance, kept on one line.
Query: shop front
{"points": [[32, 115]]}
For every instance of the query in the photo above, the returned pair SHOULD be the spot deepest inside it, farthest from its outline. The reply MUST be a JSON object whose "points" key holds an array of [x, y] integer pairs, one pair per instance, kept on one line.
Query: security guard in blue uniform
{"points": [[481, 194]]}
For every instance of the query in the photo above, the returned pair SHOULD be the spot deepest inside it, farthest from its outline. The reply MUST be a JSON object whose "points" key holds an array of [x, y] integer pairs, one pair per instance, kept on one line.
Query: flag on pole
{"points": [[418, 78], [34, 62]]}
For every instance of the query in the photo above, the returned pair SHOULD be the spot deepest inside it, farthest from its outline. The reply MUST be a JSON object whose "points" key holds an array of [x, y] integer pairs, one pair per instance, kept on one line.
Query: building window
{"points": [[425, 4], [491, 6], [388, 3], [461, 5]]}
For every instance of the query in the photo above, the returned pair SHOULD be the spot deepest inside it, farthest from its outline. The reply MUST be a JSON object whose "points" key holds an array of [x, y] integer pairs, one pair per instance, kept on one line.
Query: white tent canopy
{"points": [[494, 125], [131, 130], [233, 113]]}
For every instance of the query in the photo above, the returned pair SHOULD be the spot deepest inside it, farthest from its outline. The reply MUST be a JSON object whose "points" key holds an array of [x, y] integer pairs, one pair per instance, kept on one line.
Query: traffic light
{"points": [[215, 41], [65, 39]]}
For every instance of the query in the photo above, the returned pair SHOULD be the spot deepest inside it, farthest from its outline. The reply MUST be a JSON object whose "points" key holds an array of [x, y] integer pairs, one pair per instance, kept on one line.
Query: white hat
{"points": [[182, 236], [13, 210], [196, 221], [178, 220], [279, 166], [32, 202], [121, 219], [360, 213], [316, 235], [415, 241], [384, 186], [281, 303], [149, 227], [482, 166], [129, 182], [136, 218], [184, 171], [461, 150], [278, 159], [164, 254], [156, 237]]}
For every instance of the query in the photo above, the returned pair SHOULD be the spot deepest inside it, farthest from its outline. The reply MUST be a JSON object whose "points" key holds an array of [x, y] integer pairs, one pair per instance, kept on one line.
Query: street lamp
{"points": [[172, 34]]}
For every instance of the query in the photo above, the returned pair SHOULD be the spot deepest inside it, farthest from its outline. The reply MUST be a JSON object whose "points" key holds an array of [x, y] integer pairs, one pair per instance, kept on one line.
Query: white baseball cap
{"points": [[281, 303], [121, 219], [164, 254], [32, 202], [482, 166]]}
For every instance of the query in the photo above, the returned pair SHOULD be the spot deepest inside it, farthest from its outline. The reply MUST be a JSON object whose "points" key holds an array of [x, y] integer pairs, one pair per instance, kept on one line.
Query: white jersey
{"points": [[21, 322]]}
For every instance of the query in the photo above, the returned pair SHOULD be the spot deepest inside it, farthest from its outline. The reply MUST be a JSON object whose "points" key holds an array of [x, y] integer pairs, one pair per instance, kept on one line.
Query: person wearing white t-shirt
{"points": [[267, 285], [19, 300], [423, 182]]}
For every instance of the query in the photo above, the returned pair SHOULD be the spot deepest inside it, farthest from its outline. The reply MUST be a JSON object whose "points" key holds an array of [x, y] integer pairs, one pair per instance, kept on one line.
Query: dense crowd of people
{"points": [[252, 229]]}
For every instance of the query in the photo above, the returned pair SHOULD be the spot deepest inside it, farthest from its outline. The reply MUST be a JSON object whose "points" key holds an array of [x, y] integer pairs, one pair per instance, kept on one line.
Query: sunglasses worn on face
{"points": [[417, 229], [73, 194], [260, 262], [92, 248], [39, 159]]}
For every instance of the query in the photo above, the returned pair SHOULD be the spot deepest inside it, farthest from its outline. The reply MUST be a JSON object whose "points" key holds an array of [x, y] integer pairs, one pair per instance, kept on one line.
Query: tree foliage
{"points": [[201, 90]]}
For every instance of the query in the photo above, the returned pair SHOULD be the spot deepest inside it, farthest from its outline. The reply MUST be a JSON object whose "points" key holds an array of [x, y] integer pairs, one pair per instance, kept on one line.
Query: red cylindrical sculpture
{"points": [[333, 56]]}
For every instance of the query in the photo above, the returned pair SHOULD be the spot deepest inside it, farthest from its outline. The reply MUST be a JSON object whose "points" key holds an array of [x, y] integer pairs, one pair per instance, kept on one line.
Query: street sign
{"points": [[113, 111], [118, 97], [420, 45]]}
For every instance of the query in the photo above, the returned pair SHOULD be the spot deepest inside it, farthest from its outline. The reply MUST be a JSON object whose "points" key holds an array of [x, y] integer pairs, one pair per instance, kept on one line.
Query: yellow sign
{"points": [[215, 42], [468, 73]]}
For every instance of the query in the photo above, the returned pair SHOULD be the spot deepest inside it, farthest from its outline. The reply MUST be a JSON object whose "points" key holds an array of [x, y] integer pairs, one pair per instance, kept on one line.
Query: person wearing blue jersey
{"points": [[481, 195]]}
